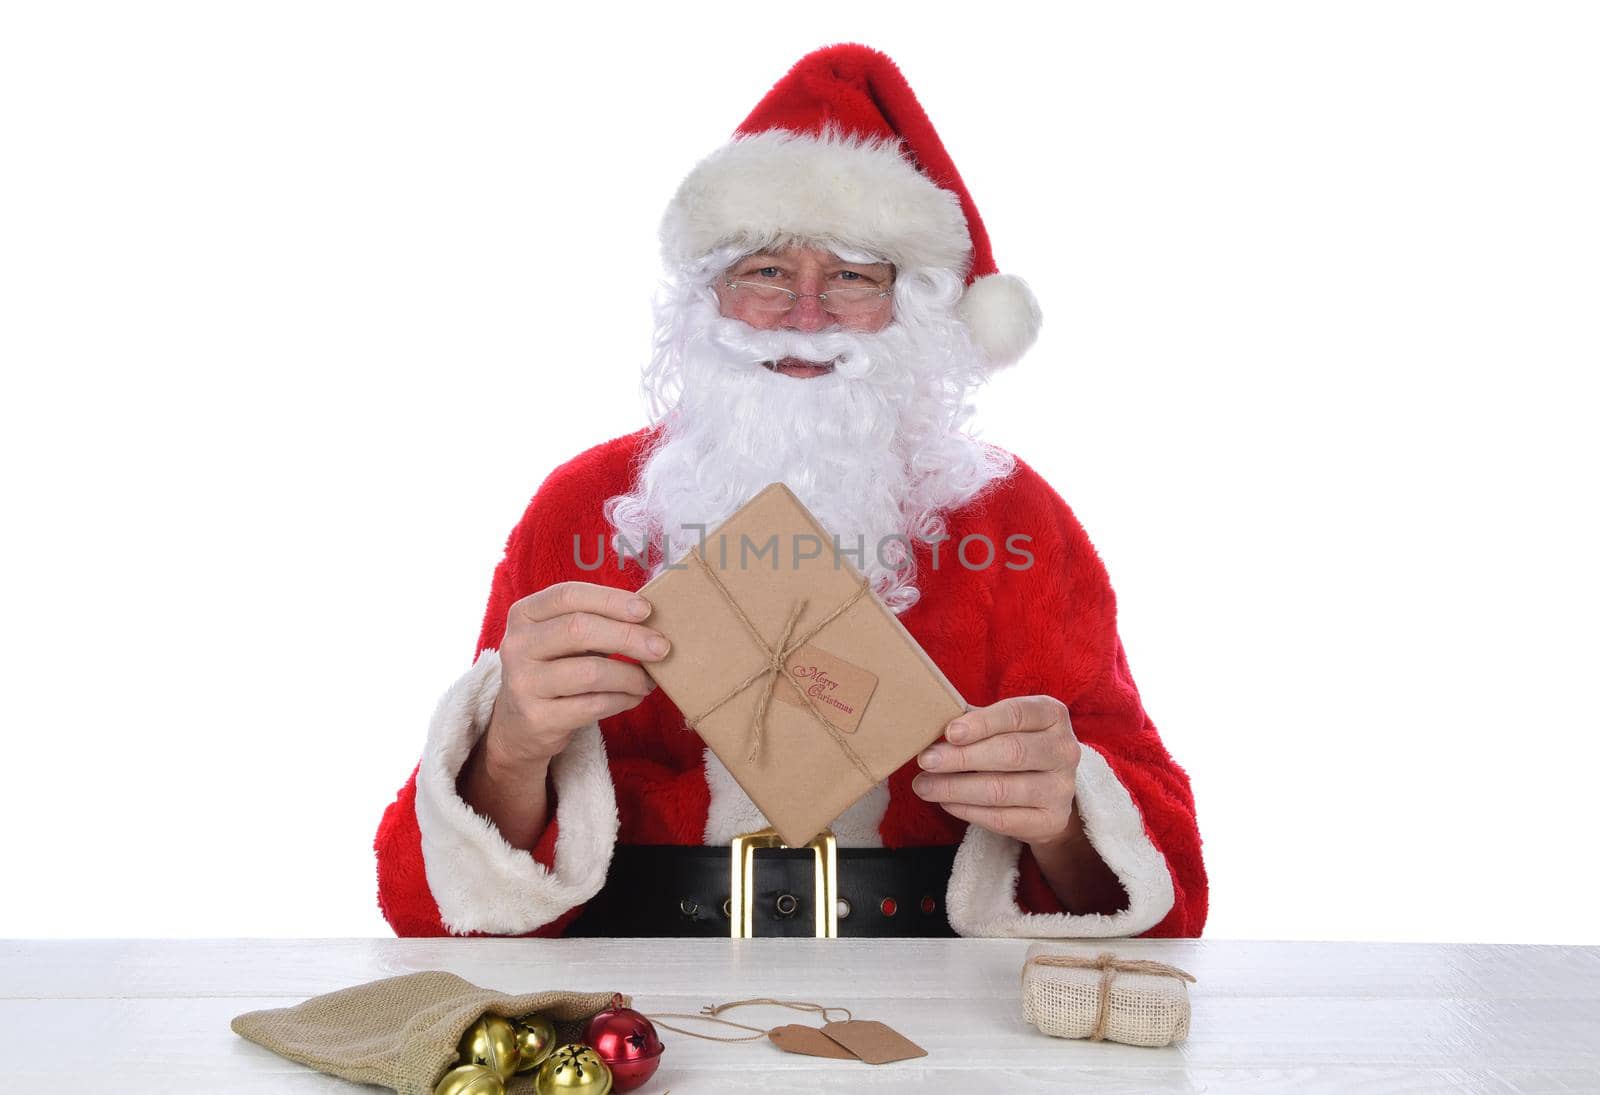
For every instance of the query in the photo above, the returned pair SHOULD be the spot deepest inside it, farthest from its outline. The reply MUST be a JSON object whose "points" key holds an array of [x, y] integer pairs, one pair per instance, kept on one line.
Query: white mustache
{"points": [[854, 354]]}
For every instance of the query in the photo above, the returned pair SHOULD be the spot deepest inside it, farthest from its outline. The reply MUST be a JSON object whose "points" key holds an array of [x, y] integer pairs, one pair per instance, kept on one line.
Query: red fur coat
{"points": [[642, 777]]}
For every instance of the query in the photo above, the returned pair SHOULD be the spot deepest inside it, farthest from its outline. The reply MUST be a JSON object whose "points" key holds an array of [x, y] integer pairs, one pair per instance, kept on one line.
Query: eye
{"points": [[850, 275], [770, 272]]}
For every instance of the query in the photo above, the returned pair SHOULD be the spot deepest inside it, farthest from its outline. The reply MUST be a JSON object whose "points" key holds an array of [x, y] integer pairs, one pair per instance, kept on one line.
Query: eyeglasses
{"points": [[775, 299]]}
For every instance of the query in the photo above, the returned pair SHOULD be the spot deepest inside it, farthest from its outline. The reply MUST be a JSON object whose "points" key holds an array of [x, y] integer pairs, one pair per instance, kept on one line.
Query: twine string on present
{"points": [[1109, 966], [777, 659]]}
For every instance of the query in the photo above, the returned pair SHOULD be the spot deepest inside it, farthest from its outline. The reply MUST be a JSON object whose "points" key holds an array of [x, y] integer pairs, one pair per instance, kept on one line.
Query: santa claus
{"points": [[834, 305]]}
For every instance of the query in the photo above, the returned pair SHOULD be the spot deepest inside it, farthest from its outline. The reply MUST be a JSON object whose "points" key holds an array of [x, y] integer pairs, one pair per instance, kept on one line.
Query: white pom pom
{"points": [[1003, 316]]}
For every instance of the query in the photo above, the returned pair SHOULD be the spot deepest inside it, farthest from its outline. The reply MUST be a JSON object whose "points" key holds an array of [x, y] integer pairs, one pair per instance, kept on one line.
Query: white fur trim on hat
{"points": [[776, 185], [1003, 316], [479, 881], [982, 896]]}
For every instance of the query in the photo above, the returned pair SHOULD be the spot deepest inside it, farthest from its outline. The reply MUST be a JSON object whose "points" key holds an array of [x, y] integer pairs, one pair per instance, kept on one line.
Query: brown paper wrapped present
{"points": [[798, 677]]}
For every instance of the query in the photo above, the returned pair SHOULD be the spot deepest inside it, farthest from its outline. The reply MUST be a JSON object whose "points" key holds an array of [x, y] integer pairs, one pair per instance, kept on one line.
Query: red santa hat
{"points": [[840, 152]]}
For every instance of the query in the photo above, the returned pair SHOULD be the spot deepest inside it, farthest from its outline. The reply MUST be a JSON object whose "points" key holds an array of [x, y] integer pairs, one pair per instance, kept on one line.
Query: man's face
{"points": [[873, 448], [808, 271]]}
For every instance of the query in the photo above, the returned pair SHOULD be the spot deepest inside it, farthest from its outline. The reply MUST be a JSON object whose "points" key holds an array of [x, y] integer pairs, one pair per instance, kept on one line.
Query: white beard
{"points": [[874, 449]]}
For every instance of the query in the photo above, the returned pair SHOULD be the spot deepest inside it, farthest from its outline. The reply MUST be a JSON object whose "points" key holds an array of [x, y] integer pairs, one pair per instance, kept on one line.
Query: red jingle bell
{"points": [[627, 1042]]}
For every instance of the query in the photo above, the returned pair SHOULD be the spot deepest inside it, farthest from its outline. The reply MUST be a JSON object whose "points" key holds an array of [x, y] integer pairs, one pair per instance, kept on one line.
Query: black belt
{"points": [[669, 889]]}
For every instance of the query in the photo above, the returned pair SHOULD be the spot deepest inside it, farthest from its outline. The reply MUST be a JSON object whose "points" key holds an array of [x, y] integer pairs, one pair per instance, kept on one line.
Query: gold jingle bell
{"points": [[573, 1069], [536, 1037], [470, 1080], [491, 1042]]}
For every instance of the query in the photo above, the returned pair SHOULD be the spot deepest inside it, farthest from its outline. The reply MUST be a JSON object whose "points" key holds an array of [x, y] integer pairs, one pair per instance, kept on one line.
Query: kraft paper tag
{"points": [[873, 1042], [809, 1041], [840, 689]]}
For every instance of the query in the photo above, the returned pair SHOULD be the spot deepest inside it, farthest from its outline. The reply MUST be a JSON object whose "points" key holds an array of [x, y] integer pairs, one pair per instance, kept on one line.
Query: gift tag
{"points": [[809, 1041], [873, 1042], [839, 689]]}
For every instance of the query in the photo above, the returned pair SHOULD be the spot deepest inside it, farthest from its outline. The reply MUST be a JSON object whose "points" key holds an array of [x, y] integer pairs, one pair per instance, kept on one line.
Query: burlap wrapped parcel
{"points": [[403, 1032], [800, 679], [1069, 993]]}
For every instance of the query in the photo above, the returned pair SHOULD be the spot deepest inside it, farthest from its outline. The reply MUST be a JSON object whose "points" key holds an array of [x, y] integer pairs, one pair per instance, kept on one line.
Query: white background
{"points": [[300, 301]]}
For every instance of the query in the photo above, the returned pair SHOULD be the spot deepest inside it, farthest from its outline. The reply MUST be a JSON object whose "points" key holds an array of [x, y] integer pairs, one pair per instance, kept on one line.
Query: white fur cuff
{"points": [[981, 899], [479, 881]]}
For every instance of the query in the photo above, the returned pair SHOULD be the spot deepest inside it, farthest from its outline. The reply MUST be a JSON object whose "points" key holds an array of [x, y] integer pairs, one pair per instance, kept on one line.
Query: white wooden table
{"points": [[152, 1015]]}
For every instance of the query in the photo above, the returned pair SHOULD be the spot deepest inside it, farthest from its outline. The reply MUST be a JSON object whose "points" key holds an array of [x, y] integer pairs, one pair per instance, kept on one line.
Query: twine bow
{"points": [[1109, 966], [776, 663]]}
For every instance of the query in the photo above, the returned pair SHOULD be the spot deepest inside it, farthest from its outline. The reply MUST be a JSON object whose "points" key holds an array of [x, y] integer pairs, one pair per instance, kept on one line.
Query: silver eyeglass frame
{"points": [[795, 298]]}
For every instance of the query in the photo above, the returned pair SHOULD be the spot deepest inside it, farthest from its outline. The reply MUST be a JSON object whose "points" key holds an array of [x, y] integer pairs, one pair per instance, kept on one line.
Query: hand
{"points": [[1010, 767], [554, 677]]}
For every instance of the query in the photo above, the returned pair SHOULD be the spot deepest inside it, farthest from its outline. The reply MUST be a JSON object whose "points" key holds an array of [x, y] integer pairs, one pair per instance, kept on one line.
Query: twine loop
{"points": [[712, 1013], [822, 1010], [1109, 966]]}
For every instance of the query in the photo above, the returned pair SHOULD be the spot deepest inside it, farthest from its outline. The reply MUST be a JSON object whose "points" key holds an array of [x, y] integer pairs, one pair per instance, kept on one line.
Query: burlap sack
{"points": [[402, 1032], [1142, 1008]]}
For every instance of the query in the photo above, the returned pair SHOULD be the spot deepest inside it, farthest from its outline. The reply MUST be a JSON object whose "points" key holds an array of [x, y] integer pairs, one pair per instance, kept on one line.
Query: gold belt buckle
{"points": [[742, 903]]}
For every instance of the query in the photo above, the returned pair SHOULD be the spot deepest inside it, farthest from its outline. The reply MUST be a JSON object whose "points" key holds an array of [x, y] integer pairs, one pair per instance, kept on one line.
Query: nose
{"points": [[807, 313], [807, 316]]}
